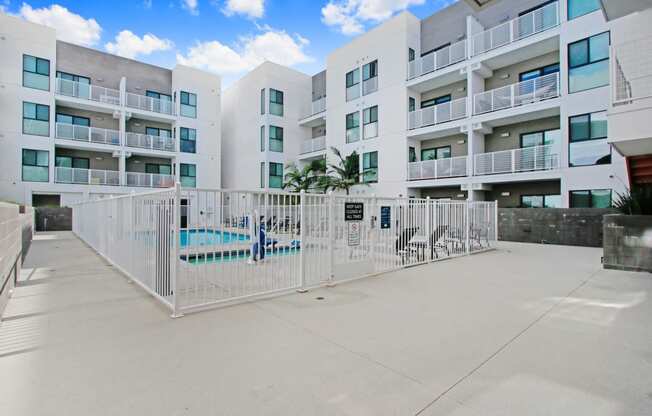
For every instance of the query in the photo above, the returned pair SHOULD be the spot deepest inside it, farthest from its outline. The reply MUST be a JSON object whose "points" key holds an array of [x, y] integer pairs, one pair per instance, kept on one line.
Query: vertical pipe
{"points": [[331, 238], [174, 266], [302, 242]]}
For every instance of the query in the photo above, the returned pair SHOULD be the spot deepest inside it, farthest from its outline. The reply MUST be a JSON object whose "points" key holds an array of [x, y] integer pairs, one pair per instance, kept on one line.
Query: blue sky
{"points": [[225, 36]]}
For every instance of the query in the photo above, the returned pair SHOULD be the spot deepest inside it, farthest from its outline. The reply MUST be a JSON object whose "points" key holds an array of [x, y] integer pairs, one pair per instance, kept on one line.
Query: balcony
{"points": [[369, 85], [154, 105], [86, 176], [87, 134], [437, 60], [514, 30], [313, 145], [442, 113], [438, 168], [526, 159], [316, 115], [146, 141], [515, 95], [150, 180], [87, 92], [316, 107]]}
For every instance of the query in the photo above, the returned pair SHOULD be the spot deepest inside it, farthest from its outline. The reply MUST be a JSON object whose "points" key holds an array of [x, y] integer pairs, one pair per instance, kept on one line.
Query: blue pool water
{"points": [[210, 237]]}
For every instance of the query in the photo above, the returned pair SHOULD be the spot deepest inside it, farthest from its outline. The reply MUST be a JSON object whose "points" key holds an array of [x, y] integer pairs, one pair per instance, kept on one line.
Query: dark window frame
{"points": [[590, 191], [36, 70], [568, 10], [436, 101], [543, 196], [590, 138], [22, 164], [373, 72], [543, 136], [276, 138], [352, 73], [36, 113], [192, 143], [436, 150], [370, 167], [56, 116]]}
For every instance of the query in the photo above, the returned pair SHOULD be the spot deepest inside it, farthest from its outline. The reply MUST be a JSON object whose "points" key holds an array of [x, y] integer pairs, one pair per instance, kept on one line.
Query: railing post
{"points": [[429, 227], [513, 161], [468, 228], [496, 220], [331, 239], [174, 260], [302, 239]]}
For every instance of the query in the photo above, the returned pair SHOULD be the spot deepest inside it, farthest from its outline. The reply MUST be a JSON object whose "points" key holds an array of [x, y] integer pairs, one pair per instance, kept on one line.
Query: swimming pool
{"points": [[235, 255], [209, 237]]}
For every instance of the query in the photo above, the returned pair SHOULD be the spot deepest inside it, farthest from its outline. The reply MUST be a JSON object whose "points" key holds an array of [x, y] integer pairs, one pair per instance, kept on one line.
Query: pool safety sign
{"points": [[353, 211], [385, 217], [353, 234]]}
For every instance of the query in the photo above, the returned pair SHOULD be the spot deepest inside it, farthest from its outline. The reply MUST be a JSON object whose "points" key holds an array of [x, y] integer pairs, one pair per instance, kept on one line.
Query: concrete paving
{"points": [[526, 329]]}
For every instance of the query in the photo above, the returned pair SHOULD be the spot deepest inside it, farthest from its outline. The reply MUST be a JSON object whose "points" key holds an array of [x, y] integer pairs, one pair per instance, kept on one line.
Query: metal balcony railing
{"points": [[353, 92], [453, 110], [86, 176], [154, 105], [87, 134], [370, 85], [514, 95], [313, 145], [87, 91], [151, 180], [436, 60], [526, 159], [631, 71], [529, 24], [316, 107], [438, 168], [147, 141]]}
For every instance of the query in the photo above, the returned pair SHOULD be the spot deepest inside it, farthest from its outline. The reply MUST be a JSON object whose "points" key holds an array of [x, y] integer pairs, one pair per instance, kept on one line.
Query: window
{"points": [[412, 104], [412, 154], [540, 201], [72, 77], [188, 174], [262, 174], [188, 104], [158, 95], [262, 138], [411, 55], [436, 101], [72, 162], [156, 132], [36, 119], [588, 63], [369, 70], [35, 166], [276, 102], [158, 169], [262, 101], [76, 120], [436, 153], [275, 175], [540, 138], [370, 167], [36, 73], [73, 85], [596, 198], [352, 87], [275, 139], [352, 127], [588, 140], [577, 8], [370, 122], [539, 72], [188, 140]]}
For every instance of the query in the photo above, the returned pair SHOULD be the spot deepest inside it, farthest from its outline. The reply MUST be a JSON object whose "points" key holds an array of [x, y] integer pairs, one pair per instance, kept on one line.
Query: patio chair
{"points": [[402, 241]]}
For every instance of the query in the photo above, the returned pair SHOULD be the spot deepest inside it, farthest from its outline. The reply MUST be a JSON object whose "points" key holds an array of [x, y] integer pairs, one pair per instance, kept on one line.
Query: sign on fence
{"points": [[353, 211], [354, 230], [385, 217]]}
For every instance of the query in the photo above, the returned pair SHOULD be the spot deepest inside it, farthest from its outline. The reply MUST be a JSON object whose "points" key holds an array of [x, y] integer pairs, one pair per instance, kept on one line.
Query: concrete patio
{"points": [[526, 329]]}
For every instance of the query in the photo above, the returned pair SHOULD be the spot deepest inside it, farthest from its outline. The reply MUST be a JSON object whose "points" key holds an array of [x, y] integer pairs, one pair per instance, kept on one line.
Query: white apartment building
{"points": [[77, 123], [484, 100]]}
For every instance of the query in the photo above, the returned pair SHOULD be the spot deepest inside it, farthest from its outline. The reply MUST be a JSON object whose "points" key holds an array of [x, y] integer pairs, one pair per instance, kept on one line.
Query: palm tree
{"points": [[344, 174], [304, 179]]}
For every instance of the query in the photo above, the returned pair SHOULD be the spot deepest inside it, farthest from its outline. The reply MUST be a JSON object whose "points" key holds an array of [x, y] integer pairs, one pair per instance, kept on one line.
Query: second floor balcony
{"points": [[527, 159], [313, 145], [150, 180], [449, 167], [85, 91], [87, 134], [438, 59], [155, 105], [441, 113], [146, 141], [514, 95], [86, 176]]}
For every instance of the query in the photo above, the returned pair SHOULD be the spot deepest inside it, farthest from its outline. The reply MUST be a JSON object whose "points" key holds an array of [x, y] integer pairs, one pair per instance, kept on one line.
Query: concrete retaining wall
{"points": [[53, 219], [565, 226], [628, 242]]}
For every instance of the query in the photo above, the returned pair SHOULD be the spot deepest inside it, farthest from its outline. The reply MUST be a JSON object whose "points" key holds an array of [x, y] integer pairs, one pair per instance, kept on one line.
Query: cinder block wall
{"points": [[565, 226], [628, 242]]}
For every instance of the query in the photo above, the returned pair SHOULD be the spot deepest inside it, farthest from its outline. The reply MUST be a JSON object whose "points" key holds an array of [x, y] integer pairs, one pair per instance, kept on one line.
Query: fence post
{"points": [[174, 266], [496, 220], [468, 227], [331, 239], [302, 239], [429, 230]]}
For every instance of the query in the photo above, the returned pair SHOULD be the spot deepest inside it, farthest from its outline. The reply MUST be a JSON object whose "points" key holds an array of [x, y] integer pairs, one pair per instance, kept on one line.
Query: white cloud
{"points": [[271, 45], [129, 45], [350, 16], [147, 4], [70, 27], [191, 6], [253, 9]]}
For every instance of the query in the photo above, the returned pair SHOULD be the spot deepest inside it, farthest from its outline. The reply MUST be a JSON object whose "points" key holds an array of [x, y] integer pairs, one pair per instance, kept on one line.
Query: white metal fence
{"points": [[525, 159], [441, 113], [631, 71], [529, 24], [514, 95], [195, 249], [12, 224], [436, 60]]}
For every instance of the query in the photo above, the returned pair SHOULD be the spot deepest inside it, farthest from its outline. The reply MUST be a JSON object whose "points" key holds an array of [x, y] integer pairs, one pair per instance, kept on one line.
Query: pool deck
{"points": [[522, 330]]}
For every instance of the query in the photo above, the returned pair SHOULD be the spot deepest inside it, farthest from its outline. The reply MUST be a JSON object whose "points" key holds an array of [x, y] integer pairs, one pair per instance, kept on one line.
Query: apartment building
{"points": [[78, 123], [502, 100]]}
